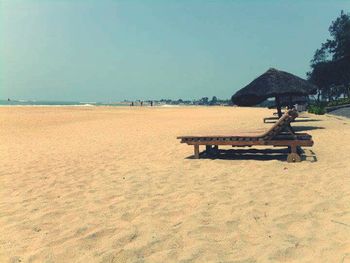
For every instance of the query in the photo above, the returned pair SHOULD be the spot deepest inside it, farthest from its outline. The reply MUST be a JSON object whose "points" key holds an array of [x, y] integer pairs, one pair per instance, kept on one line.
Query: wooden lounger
{"points": [[280, 134], [268, 119], [274, 118]]}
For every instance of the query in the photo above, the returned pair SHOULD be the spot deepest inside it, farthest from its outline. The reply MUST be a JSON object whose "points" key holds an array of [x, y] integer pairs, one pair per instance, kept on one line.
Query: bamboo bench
{"points": [[279, 135]]}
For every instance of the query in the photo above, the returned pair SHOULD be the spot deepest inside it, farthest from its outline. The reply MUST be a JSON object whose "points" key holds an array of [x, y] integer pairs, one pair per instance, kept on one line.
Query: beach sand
{"points": [[113, 184]]}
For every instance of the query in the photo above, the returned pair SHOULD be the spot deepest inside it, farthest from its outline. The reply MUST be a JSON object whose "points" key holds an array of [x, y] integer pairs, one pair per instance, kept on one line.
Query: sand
{"points": [[90, 184]]}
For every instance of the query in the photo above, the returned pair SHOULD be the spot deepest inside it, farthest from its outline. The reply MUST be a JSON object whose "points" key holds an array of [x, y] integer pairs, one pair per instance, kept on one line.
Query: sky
{"points": [[103, 50]]}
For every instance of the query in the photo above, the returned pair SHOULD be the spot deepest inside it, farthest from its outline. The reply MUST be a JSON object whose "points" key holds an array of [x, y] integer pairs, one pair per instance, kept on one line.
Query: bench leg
{"points": [[293, 156], [196, 151], [208, 149], [293, 149], [211, 149]]}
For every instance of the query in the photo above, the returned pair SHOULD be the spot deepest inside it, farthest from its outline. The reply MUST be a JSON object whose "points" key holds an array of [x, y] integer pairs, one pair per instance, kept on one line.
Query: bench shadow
{"points": [[306, 128], [306, 120], [311, 155], [254, 154]]}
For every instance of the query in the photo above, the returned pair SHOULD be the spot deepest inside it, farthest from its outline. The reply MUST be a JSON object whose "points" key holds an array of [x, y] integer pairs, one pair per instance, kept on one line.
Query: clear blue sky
{"points": [[114, 50]]}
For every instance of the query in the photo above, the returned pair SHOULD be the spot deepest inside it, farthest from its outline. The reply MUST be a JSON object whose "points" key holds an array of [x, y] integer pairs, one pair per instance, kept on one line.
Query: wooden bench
{"points": [[279, 135]]}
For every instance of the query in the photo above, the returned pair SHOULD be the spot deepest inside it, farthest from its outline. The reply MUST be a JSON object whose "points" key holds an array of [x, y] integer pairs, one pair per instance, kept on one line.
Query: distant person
{"points": [[141, 103], [132, 104], [151, 103]]}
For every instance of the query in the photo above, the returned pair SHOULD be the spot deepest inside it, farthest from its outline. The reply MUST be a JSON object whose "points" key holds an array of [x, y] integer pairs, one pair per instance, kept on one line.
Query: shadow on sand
{"points": [[255, 154], [305, 120], [306, 128]]}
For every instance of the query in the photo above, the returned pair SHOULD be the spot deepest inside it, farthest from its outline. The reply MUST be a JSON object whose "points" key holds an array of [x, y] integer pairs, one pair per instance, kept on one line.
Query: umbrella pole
{"points": [[278, 106]]}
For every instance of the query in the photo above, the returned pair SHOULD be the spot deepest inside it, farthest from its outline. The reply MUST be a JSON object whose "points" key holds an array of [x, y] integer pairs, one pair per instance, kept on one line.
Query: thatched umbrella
{"points": [[273, 83]]}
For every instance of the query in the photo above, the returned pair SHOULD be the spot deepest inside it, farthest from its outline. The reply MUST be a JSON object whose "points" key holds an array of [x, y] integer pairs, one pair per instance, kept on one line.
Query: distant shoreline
{"points": [[205, 101], [105, 105], [57, 103], [24, 103]]}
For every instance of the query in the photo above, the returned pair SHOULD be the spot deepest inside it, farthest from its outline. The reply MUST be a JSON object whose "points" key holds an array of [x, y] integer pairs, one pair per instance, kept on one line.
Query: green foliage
{"points": [[317, 109], [338, 46], [213, 101], [204, 101], [339, 102], [330, 66]]}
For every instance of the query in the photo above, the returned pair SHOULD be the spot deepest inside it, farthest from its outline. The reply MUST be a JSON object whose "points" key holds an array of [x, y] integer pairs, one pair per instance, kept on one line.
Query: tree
{"points": [[330, 66], [204, 101], [214, 100]]}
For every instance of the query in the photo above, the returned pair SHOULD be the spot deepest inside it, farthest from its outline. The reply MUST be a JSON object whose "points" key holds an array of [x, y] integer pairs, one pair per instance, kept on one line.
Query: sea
{"points": [[58, 103]]}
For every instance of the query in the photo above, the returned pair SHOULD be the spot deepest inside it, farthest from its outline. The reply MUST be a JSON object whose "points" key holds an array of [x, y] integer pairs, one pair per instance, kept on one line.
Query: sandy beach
{"points": [[113, 184]]}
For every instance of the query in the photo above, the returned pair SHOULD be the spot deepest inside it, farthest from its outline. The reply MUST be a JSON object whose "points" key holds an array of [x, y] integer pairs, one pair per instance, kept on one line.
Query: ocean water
{"points": [[56, 103]]}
